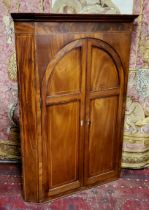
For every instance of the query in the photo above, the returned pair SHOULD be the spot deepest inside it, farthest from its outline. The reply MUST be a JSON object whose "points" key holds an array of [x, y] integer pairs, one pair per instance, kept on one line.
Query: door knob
{"points": [[82, 123], [88, 122]]}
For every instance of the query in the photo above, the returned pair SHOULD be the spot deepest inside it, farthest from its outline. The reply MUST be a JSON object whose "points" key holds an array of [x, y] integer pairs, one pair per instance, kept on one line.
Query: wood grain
{"points": [[28, 115], [66, 74], [63, 137], [104, 74], [63, 99], [75, 27], [102, 135], [104, 94]]}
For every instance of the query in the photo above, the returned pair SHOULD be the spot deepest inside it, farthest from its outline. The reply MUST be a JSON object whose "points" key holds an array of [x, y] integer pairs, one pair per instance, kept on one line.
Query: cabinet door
{"points": [[63, 98], [103, 113]]}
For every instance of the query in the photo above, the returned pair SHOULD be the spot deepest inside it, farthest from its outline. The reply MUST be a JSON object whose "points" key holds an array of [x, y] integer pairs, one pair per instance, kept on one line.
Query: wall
{"points": [[136, 135]]}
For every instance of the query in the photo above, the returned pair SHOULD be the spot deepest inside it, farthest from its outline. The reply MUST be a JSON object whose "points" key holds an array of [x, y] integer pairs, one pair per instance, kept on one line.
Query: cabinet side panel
{"points": [[28, 114]]}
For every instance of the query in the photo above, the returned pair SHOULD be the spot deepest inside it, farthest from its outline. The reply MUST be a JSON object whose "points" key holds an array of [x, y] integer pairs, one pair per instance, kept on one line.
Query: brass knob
{"points": [[88, 122]]}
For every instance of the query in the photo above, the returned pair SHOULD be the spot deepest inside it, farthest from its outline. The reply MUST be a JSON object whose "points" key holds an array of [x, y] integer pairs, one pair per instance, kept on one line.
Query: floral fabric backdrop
{"points": [[136, 132], [9, 124]]}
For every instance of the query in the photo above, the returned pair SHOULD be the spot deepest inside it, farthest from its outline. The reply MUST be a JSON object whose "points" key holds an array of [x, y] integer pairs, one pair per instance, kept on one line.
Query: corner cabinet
{"points": [[72, 75]]}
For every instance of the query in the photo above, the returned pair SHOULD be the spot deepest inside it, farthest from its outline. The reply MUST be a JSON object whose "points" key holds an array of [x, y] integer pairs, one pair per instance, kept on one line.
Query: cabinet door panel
{"points": [[63, 135], [103, 70], [66, 74], [102, 129], [103, 113], [63, 98]]}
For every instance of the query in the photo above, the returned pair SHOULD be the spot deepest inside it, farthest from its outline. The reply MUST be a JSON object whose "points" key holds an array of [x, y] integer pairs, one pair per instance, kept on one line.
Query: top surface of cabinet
{"points": [[40, 17], [43, 24]]}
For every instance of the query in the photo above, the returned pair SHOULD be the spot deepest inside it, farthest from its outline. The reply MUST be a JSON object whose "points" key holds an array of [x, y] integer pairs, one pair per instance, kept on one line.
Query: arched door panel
{"points": [[104, 74], [63, 95], [66, 76], [103, 102]]}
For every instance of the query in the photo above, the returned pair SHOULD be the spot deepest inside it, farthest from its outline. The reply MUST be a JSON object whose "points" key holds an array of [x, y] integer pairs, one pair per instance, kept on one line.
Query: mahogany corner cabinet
{"points": [[72, 75]]}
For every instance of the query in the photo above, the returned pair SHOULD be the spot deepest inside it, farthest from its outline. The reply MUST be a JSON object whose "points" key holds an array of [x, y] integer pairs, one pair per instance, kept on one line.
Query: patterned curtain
{"points": [[136, 133], [9, 117]]}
